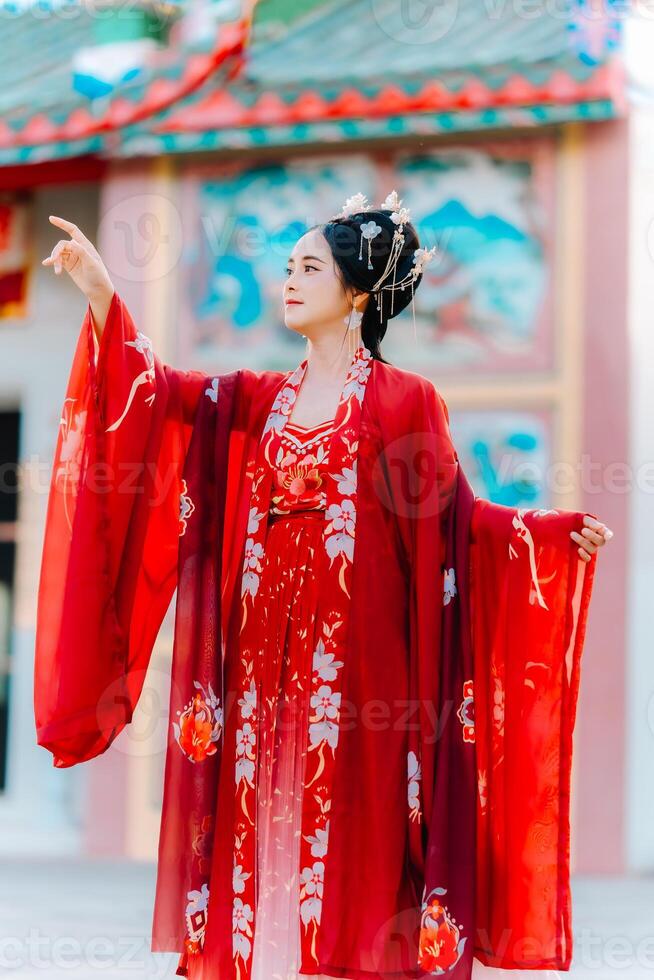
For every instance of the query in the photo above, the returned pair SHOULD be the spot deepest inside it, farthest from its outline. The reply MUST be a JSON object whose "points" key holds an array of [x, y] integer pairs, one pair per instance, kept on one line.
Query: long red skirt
{"points": [[286, 607]]}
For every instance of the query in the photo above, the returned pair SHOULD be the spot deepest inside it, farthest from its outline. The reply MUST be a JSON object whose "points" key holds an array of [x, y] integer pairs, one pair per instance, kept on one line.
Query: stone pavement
{"points": [[82, 920]]}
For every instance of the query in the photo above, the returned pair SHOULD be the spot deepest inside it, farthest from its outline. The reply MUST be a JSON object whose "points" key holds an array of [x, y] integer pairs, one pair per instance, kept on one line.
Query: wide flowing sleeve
{"points": [[109, 561], [530, 594]]}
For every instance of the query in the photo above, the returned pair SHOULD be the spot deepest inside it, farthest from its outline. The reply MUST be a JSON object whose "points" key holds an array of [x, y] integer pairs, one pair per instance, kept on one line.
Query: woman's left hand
{"points": [[593, 535]]}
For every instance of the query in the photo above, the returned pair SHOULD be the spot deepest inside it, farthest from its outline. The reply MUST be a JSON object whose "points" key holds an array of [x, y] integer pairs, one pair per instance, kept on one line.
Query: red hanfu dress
{"points": [[287, 618], [374, 677]]}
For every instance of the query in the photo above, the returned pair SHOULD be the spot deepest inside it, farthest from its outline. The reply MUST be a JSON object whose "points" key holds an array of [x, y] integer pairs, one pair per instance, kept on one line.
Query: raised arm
{"points": [[109, 563]]}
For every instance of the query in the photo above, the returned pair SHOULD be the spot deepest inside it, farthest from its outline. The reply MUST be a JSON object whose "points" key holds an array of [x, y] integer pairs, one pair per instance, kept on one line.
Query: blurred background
{"points": [[194, 142]]}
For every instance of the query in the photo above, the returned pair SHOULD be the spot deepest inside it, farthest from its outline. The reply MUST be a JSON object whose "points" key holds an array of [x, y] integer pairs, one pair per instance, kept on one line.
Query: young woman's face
{"points": [[315, 300]]}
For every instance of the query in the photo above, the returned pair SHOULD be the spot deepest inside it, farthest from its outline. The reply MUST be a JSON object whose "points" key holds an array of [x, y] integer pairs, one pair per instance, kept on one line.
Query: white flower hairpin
{"points": [[369, 231]]}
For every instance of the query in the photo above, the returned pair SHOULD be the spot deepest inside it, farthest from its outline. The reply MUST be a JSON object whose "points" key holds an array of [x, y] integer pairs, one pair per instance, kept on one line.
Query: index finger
{"points": [[71, 228]]}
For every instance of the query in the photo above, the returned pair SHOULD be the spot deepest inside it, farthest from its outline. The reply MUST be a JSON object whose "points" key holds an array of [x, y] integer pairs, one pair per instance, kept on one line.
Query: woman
{"points": [[335, 793]]}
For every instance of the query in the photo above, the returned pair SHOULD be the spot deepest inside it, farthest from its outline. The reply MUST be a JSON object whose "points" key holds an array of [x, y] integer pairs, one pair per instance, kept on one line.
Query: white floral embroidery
{"points": [[312, 880], [248, 703], [143, 345], [239, 877], [414, 776], [245, 757], [242, 916], [319, 841], [356, 381], [347, 480], [283, 404], [340, 533], [449, 586], [324, 664], [196, 914], [251, 566], [254, 519], [212, 391]]}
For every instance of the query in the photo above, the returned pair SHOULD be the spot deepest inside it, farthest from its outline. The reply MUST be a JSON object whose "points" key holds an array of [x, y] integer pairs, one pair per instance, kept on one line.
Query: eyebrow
{"points": [[304, 257]]}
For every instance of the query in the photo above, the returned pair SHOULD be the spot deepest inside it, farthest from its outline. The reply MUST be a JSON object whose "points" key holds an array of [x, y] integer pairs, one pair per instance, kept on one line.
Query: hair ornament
{"points": [[388, 280], [369, 230], [358, 202], [393, 203], [421, 258]]}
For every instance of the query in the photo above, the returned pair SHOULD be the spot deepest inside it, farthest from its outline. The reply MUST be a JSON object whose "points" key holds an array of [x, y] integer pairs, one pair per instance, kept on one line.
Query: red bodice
{"points": [[302, 469]]}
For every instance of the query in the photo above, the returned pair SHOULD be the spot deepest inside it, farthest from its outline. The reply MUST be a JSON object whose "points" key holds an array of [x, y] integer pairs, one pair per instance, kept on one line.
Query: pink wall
{"points": [[600, 733]]}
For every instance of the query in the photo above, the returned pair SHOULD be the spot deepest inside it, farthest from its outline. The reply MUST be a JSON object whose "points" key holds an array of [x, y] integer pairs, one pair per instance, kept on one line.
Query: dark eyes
{"points": [[307, 266]]}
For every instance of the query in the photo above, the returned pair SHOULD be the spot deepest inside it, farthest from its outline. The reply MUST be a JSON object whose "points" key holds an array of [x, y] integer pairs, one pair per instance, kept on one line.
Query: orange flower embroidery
{"points": [[440, 945], [200, 726]]}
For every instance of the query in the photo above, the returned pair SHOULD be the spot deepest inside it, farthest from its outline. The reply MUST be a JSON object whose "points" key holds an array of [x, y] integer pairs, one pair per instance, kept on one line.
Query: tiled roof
{"points": [[343, 69]]}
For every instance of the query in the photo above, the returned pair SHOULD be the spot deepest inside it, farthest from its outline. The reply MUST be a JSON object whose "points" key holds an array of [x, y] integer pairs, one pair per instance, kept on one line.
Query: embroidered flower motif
{"points": [[199, 725], [449, 586], [196, 919], [283, 405], [251, 567], [355, 382], [248, 702], [319, 841], [242, 916], [415, 776], [299, 478], [239, 877], [324, 665], [346, 481], [254, 519], [466, 712], [212, 391], [186, 508], [440, 945], [143, 345], [311, 889], [340, 531], [326, 704]]}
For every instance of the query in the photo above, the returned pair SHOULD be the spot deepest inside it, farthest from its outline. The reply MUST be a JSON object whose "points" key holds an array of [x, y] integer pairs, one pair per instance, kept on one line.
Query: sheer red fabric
{"points": [[451, 632], [111, 542]]}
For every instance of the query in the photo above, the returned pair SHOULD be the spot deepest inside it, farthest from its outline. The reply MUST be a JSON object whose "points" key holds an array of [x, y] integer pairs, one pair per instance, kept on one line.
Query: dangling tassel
{"points": [[413, 307]]}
